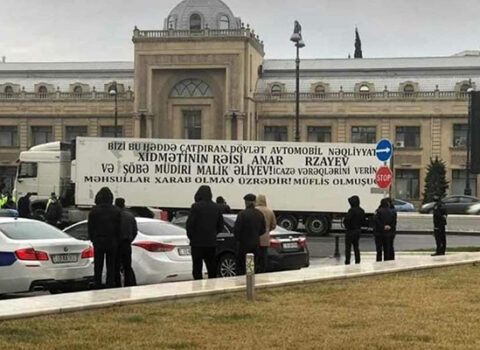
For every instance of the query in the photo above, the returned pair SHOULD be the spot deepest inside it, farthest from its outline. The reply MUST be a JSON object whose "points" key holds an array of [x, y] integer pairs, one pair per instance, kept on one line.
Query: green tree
{"points": [[358, 45], [435, 181]]}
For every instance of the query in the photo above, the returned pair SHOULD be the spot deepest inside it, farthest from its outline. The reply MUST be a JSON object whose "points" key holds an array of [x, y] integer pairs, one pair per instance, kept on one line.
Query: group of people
{"points": [[385, 228], [112, 229], [252, 231]]}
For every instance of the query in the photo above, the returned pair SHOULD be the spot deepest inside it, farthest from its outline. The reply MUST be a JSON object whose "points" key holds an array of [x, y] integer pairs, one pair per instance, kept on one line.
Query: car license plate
{"points": [[64, 258], [184, 251], [290, 245]]}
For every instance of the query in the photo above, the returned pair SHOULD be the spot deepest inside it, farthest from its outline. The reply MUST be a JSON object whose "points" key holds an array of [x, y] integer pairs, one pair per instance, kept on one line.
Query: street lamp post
{"points": [[468, 189], [114, 92], [299, 43]]}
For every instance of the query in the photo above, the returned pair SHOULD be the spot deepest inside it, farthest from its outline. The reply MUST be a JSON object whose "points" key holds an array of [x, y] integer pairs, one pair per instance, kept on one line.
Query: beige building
{"points": [[204, 76]]}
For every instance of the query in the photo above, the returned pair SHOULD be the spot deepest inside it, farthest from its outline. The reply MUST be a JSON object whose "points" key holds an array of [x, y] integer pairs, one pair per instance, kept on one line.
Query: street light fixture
{"points": [[299, 43], [468, 189], [114, 92]]}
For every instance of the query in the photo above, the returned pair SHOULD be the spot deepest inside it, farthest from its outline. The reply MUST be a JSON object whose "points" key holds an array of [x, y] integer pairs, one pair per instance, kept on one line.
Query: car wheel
{"points": [[226, 265], [288, 222], [317, 225]]}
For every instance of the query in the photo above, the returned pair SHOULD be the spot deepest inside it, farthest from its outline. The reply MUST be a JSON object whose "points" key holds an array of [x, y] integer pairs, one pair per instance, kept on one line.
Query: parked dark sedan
{"points": [[455, 204], [288, 250]]}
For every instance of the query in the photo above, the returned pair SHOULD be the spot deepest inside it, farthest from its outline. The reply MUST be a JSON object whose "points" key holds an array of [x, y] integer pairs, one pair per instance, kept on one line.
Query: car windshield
{"points": [[158, 228], [23, 231]]}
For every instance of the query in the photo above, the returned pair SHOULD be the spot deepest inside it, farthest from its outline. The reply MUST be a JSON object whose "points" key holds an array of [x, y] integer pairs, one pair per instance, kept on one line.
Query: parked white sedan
{"points": [[160, 252], [37, 256]]}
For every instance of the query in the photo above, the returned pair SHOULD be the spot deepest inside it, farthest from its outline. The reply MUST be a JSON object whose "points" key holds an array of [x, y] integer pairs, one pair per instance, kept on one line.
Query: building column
{"points": [[240, 126], [149, 133], [228, 126], [136, 126]]}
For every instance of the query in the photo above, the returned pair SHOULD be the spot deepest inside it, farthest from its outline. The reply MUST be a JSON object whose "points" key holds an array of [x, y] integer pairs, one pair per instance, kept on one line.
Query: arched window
{"points": [[8, 91], [276, 89], [172, 22], [364, 89], [195, 22], [224, 22], [78, 90], [42, 91], [320, 90], [191, 88], [464, 88], [408, 89]]}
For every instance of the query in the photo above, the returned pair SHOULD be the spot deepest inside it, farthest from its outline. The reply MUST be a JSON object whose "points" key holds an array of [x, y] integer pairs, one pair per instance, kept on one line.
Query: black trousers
{"points": [[440, 239], [352, 238], [102, 252], [124, 262], [262, 260], [240, 261], [201, 254], [384, 246]]}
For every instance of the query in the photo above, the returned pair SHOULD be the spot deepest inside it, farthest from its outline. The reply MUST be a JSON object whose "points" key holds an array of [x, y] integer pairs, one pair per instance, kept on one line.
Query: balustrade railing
{"points": [[58, 95]]}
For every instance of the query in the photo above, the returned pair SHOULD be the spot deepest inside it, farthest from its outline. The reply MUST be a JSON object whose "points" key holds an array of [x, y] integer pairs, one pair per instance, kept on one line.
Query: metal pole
{"points": [[116, 114], [250, 269], [297, 95], [468, 190]]}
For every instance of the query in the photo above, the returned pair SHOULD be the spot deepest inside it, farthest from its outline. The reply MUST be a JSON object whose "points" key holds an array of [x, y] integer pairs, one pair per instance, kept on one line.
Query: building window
{"points": [[192, 125], [224, 22], [407, 184], [276, 89], [407, 136], [320, 90], [7, 178], [42, 91], [71, 132], [275, 133], [41, 134], [191, 88], [459, 181], [319, 134], [460, 132], [8, 136], [408, 90], [78, 90], [195, 22], [8, 91], [364, 134], [364, 89], [109, 131], [172, 22], [464, 88]]}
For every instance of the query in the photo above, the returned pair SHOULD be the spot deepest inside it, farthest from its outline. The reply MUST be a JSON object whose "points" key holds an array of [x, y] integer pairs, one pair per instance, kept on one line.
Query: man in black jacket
{"points": [[104, 232], [204, 222], [249, 226], [439, 223], [24, 206], [353, 223], [128, 232], [53, 214], [385, 223]]}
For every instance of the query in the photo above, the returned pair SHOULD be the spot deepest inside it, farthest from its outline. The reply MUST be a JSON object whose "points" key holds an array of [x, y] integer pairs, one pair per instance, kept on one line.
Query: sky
{"points": [[101, 30]]}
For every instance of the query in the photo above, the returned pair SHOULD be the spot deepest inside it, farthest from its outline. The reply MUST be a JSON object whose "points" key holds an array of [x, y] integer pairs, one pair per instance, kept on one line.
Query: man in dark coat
{"points": [[439, 223], [222, 204], [204, 222], [385, 222], [249, 226], [53, 214], [353, 222], [128, 232], [104, 232], [24, 206]]}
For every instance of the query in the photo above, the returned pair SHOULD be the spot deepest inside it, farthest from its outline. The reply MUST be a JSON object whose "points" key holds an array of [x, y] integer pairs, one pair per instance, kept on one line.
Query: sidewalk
{"points": [[54, 304]]}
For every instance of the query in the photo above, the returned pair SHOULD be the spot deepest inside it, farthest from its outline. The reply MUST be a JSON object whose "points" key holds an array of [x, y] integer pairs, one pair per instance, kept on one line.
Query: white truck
{"points": [[303, 182]]}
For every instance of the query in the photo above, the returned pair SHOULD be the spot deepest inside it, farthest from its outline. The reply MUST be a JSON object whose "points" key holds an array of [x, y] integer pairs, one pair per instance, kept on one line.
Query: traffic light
{"points": [[475, 133]]}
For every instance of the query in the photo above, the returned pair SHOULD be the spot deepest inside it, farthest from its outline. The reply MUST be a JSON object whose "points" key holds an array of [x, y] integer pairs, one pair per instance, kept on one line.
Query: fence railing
{"points": [[97, 96]]}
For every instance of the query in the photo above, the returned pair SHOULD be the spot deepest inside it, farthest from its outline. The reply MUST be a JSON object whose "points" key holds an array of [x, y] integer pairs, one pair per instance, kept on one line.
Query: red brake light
{"points": [[275, 243], [155, 246], [302, 242], [87, 253], [31, 255]]}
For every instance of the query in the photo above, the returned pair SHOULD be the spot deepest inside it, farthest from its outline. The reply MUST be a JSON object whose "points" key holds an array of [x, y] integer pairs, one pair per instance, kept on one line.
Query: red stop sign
{"points": [[383, 177]]}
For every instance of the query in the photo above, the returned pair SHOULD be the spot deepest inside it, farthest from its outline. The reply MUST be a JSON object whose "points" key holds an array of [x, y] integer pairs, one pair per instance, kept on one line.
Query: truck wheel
{"points": [[317, 225], [288, 222], [226, 265]]}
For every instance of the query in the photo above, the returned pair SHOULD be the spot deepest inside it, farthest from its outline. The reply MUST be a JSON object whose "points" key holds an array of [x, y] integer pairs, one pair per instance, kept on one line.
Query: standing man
{"points": [[439, 223], [353, 222], [128, 232], [104, 232], [222, 204], [270, 224], [204, 222], [24, 206], [385, 221], [53, 214], [250, 225]]}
